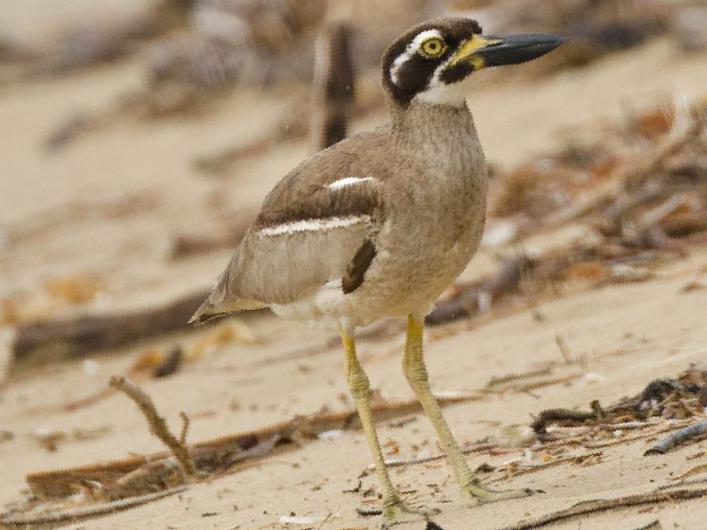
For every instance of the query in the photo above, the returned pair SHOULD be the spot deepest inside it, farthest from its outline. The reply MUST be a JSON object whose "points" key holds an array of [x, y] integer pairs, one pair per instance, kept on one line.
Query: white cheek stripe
{"points": [[313, 225], [399, 60], [410, 51], [348, 181]]}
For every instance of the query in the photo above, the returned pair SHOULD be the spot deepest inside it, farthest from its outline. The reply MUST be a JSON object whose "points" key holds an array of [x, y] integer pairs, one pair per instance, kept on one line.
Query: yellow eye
{"points": [[433, 47]]}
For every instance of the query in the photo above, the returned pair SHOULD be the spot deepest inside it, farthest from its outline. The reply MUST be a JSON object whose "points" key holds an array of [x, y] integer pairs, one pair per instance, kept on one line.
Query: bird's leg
{"points": [[416, 374], [394, 509]]}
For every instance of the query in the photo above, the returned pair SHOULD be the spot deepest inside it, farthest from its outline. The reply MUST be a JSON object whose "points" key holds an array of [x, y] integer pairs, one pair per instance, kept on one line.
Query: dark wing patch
{"points": [[355, 272]]}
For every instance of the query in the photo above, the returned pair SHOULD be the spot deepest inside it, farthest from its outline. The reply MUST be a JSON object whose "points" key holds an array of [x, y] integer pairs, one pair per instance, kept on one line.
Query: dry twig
{"points": [[598, 506], [655, 525], [158, 425], [676, 438], [577, 459], [76, 514], [696, 470], [564, 350]]}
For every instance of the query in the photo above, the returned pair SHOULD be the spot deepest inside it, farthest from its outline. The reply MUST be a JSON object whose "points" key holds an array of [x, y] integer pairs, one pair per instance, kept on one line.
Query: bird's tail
{"points": [[211, 310]]}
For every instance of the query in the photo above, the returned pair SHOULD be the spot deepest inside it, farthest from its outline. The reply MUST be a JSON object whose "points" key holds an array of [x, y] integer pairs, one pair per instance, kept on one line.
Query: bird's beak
{"points": [[496, 50]]}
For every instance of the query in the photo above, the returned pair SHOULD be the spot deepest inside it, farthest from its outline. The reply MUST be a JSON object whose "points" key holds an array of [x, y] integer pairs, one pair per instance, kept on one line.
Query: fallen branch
{"points": [[598, 506], [75, 514], [158, 425], [676, 438], [76, 336]]}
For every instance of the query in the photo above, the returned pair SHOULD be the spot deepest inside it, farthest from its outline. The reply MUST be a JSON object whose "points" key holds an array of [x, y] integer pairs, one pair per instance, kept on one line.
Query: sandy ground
{"points": [[627, 335]]}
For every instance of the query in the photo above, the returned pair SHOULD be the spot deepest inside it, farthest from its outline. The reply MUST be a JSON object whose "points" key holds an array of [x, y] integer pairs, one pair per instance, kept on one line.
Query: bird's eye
{"points": [[433, 47]]}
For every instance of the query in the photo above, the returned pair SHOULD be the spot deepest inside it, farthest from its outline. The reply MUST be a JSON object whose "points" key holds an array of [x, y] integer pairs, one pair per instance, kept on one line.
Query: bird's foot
{"points": [[480, 494], [396, 512]]}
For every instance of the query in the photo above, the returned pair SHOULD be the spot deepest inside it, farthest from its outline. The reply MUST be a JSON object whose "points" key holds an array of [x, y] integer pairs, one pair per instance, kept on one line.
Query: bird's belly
{"points": [[412, 284]]}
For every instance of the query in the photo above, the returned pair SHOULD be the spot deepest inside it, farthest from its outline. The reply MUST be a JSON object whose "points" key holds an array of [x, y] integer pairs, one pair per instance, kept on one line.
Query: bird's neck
{"points": [[424, 122], [444, 133]]}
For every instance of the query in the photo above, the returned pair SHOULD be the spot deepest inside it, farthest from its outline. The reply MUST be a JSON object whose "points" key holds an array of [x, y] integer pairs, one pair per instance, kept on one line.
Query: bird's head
{"points": [[429, 61]]}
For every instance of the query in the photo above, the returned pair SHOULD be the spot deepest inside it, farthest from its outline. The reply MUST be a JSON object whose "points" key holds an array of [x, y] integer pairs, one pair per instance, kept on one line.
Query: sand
{"points": [[626, 335]]}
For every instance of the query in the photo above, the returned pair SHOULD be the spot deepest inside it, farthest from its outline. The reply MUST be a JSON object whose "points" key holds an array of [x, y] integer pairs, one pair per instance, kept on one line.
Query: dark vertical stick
{"points": [[333, 90]]}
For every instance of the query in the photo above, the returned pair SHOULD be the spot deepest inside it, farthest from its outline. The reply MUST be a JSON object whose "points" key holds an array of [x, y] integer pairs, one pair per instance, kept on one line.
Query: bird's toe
{"points": [[480, 495], [398, 513]]}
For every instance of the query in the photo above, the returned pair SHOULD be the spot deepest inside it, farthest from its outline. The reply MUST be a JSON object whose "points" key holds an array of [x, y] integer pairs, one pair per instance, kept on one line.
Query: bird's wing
{"points": [[315, 226]]}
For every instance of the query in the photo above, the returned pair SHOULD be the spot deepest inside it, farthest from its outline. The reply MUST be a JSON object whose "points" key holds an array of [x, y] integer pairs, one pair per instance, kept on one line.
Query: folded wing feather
{"points": [[306, 235]]}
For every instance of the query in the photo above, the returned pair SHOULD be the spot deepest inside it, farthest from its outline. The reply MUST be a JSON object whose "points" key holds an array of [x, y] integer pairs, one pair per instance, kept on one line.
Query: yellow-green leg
{"points": [[394, 509], [416, 374]]}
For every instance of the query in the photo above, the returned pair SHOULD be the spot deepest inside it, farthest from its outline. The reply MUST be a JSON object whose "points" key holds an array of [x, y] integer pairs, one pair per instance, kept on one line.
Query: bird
{"points": [[379, 224]]}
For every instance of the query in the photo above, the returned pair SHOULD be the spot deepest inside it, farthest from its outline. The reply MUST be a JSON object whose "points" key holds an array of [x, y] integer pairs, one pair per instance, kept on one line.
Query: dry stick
{"points": [[546, 382], [655, 525], [682, 483], [74, 514], [621, 426], [539, 467], [674, 439], [562, 436], [597, 506], [185, 429], [621, 441], [701, 468], [510, 378], [158, 425], [564, 350]]}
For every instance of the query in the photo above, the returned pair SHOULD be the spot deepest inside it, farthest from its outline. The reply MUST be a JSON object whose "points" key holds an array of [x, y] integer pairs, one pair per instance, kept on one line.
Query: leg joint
{"points": [[416, 374], [359, 384]]}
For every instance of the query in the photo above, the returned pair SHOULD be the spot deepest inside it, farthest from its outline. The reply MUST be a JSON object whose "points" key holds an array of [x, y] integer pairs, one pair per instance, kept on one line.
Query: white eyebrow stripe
{"points": [[313, 225], [411, 50], [348, 181], [422, 37]]}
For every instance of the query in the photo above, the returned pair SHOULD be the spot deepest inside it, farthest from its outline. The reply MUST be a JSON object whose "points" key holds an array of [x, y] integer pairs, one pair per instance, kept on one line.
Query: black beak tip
{"points": [[515, 49], [556, 40], [541, 44]]}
